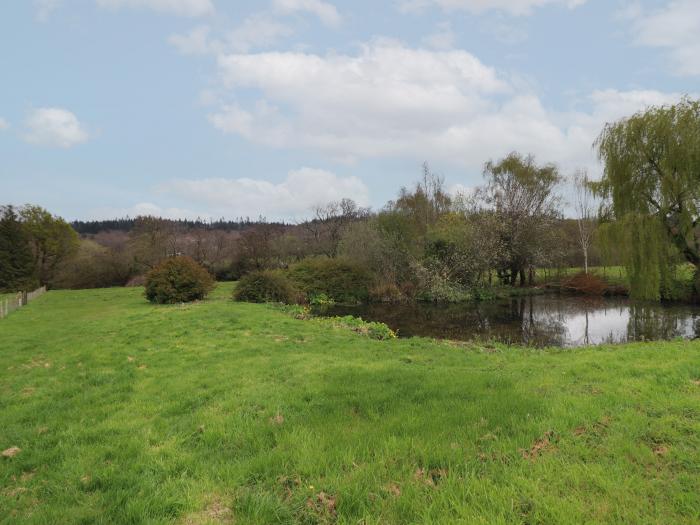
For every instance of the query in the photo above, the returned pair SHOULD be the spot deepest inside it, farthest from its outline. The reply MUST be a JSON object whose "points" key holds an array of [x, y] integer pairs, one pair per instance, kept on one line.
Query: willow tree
{"points": [[651, 183]]}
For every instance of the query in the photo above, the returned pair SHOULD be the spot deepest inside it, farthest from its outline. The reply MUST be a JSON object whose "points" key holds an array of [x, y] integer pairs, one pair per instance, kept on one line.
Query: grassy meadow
{"points": [[223, 412]]}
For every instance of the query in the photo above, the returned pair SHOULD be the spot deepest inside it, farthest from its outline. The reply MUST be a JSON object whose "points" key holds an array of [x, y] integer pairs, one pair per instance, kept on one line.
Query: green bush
{"points": [[178, 280], [340, 280], [321, 299], [266, 286], [373, 330]]}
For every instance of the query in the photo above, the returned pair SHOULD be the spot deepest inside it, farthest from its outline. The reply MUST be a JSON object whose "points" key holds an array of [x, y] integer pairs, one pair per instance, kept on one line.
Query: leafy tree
{"points": [[652, 185], [521, 195], [16, 261], [423, 206], [52, 240]]}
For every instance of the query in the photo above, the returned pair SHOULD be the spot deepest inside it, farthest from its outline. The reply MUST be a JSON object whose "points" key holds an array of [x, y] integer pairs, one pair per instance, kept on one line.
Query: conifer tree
{"points": [[16, 261]]}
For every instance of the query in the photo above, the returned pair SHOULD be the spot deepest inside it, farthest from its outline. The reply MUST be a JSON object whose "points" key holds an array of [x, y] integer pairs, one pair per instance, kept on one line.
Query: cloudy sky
{"points": [[215, 108]]}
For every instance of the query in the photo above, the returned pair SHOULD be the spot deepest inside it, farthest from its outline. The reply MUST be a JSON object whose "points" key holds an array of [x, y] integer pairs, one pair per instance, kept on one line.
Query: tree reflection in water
{"points": [[535, 320]]}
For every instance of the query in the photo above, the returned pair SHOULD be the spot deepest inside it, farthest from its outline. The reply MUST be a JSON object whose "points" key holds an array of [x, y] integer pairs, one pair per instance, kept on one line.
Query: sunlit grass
{"points": [[222, 412]]}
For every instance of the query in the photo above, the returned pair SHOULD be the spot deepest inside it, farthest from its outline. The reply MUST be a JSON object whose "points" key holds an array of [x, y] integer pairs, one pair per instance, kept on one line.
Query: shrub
{"points": [[586, 284], [92, 266], [373, 330], [136, 281], [340, 280], [386, 293], [321, 299], [178, 280], [266, 286]]}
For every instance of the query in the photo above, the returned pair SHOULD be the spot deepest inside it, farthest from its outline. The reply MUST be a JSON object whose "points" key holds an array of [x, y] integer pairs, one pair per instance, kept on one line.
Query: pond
{"points": [[538, 320]]}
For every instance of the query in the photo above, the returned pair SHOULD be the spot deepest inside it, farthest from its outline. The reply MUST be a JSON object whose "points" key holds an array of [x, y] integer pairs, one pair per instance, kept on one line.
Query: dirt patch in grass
{"points": [[15, 492], [323, 505], [598, 428], [216, 512], [393, 489], [661, 450], [289, 485], [430, 477], [540, 445], [37, 363], [11, 452]]}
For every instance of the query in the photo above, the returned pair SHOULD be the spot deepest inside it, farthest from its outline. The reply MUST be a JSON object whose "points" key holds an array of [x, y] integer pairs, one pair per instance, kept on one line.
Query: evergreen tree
{"points": [[16, 261]]}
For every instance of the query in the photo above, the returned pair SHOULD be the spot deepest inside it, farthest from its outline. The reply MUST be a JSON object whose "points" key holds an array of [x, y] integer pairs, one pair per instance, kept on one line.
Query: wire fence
{"points": [[17, 301]]}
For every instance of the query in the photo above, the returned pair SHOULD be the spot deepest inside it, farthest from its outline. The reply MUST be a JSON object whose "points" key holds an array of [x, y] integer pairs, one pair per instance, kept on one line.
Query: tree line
{"points": [[426, 243]]}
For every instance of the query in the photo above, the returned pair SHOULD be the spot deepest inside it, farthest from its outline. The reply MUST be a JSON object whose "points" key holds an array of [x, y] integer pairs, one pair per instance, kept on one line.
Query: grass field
{"points": [[221, 412], [613, 274]]}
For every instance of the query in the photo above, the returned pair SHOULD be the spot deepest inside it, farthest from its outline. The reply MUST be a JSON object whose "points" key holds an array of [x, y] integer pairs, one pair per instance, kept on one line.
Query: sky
{"points": [[213, 108]]}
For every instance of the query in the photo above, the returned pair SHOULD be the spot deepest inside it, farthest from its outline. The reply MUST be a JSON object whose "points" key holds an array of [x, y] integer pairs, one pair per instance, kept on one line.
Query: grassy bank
{"points": [[223, 412], [616, 275]]}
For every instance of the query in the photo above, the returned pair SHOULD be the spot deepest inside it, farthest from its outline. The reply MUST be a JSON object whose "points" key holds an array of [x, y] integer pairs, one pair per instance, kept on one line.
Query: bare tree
{"points": [[330, 221], [585, 212]]}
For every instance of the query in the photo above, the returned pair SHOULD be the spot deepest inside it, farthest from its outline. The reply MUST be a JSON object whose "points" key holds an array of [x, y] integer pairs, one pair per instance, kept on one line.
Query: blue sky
{"points": [[207, 108]]}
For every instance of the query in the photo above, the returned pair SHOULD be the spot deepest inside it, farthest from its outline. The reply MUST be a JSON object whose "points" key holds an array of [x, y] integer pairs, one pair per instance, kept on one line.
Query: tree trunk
{"points": [[585, 260], [522, 277]]}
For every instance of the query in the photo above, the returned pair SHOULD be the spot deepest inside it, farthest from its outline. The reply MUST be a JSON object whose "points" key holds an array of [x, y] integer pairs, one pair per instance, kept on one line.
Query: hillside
{"points": [[221, 412]]}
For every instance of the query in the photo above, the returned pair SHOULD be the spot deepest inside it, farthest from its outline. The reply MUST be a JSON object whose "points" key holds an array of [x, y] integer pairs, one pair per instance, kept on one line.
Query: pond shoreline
{"points": [[532, 320]]}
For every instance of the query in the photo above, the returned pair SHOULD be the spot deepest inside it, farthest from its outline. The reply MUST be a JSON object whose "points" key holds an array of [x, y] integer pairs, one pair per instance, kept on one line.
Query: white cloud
{"points": [[291, 198], [4, 124], [176, 7], [389, 101], [326, 12], [259, 30], [512, 7], [256, 31], [443, 38], [54, 127], [194, 42], [44, 8], [676, 27]]}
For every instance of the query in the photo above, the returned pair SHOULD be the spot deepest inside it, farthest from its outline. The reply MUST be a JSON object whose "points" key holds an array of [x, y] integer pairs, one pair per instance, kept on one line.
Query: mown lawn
{"points": [[234, 413]]}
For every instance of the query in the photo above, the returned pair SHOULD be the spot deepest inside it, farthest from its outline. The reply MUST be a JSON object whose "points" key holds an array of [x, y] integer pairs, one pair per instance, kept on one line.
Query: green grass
{"points": [[613, 274], [223, 412]]}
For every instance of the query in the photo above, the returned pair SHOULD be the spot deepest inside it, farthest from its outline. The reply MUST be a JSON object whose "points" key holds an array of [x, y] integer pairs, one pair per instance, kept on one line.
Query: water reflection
{"points": [[536, 320]]}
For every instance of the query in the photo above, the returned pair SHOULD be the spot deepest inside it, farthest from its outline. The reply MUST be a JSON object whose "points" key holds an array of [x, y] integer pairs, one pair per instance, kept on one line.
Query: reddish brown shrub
{"points": [[586, 284]]}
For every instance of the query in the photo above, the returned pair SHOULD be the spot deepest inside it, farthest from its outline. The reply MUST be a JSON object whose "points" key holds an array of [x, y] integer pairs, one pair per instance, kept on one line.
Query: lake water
{"points": [[540, 320]]}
